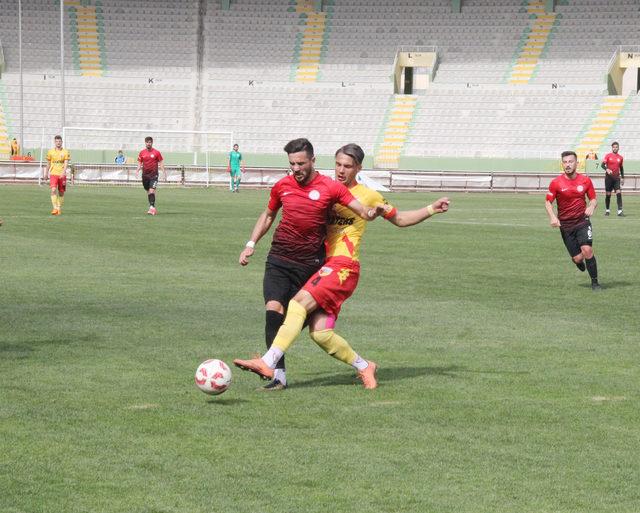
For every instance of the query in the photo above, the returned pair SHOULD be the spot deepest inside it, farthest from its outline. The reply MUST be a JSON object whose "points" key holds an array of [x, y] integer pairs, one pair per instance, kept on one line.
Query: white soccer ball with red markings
{"points": [[213, 377]]}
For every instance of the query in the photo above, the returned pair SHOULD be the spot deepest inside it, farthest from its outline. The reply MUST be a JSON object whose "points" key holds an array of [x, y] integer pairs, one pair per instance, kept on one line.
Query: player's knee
{"points": [[274, 306], [578, 258], [323, 339], [587, 252]]}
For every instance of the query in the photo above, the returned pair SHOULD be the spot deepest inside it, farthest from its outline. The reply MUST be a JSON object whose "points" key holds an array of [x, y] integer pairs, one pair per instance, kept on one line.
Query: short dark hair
{"points": [[57, 137], [567, 153], [298, 145], [352, 150], [615, 142], [148, 138]]}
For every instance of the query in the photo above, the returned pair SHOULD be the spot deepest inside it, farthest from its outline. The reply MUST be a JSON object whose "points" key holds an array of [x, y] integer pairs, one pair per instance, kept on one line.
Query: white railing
{"points": [[260, 178]]}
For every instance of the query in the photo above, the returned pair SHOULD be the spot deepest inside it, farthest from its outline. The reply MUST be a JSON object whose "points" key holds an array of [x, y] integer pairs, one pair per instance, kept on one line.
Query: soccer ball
{"points": [[213, 377]]}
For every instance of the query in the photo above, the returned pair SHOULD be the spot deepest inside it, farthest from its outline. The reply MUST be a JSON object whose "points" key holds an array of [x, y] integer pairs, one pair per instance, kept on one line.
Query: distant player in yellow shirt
{"points": [[336, 280], [58, 159]]}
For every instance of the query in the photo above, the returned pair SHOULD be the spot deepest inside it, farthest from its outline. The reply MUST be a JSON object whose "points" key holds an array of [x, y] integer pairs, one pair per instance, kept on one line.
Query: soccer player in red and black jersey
{"points": [[297, 250], [149, 160], [573, 219], [612, 165]]}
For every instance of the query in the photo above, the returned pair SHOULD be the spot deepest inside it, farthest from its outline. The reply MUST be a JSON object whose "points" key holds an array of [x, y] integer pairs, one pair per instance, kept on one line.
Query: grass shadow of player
{"points": [[21, 350], [610, 285], [384, 375], [225, 402]]}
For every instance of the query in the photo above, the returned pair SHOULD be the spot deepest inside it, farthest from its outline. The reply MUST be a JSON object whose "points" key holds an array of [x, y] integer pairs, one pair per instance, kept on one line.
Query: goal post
{"points": [[201, 149]]}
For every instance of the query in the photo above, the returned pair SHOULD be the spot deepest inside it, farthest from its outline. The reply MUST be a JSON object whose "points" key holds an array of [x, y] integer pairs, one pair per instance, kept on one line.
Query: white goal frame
{"points": [[201, 141]]}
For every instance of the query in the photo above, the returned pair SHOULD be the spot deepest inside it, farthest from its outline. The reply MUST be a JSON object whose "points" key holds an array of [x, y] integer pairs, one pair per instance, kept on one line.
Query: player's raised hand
{"points": [[378, 210], [244, 256], [441, 205]]}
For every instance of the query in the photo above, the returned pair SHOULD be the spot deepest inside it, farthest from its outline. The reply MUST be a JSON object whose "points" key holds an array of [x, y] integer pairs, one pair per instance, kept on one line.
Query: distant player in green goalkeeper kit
{"points": [[234, 168]]}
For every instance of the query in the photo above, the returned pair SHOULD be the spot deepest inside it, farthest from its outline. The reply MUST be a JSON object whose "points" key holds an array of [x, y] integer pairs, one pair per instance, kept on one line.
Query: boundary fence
{"points": [[200, 176]]}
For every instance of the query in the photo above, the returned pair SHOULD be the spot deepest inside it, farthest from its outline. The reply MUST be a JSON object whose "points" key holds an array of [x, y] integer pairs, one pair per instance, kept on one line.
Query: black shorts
{"points": [[149, 182], [611, 183], [282, 280], [576, 237]]}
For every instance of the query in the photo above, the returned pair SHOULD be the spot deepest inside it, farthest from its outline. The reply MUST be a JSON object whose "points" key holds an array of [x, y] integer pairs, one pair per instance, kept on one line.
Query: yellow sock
{"points": [[291, 327], [334, 345], [54, 201], [60, 202]]}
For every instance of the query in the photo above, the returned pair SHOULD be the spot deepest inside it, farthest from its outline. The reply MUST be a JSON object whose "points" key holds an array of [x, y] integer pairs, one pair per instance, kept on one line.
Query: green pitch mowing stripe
{"points": [[506, 385]]}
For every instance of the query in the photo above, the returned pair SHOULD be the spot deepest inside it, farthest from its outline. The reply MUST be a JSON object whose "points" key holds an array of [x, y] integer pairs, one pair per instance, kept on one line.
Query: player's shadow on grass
{"points": [[225, 402], [24, 349], [384, 375], [610, 285]]}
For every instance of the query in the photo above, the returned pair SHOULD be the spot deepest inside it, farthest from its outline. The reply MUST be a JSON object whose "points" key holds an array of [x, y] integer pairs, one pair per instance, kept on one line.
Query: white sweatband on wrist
{"points": [[430, 210], [250, 244]]}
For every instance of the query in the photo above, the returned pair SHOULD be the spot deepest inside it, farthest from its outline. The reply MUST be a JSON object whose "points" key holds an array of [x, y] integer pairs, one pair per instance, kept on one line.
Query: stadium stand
{"points": [[248, 78]]}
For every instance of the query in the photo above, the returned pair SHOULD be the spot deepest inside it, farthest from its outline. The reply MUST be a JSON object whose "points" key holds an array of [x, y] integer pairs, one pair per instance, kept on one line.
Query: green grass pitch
{"points": [[506, 384]]}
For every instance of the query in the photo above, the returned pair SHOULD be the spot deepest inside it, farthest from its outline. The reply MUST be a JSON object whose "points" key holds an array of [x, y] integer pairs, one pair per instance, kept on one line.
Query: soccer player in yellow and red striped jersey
{"points": [[306, 199], [322, 296], [58, 159]]}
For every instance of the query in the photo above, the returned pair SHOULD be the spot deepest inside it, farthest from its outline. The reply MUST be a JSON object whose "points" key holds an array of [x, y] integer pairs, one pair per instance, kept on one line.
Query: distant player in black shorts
{"points": [[614, 178], [573, 219], [149, 160]]}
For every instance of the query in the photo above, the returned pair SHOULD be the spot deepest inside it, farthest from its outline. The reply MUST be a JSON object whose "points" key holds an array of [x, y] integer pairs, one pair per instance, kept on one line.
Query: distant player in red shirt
{"points": [[297, 249], [614, 178], [573, 219], [149, 160]]}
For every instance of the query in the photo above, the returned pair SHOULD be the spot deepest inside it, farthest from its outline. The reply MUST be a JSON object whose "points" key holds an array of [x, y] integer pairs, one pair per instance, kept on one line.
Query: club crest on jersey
{"points": [[343, 275], [580, 188], [325, 271], [314, 195]]}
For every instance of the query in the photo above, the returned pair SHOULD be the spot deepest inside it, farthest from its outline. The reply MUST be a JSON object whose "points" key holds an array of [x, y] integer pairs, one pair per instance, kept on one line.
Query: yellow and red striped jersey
{"points": [[56, 159], [345, 229]]}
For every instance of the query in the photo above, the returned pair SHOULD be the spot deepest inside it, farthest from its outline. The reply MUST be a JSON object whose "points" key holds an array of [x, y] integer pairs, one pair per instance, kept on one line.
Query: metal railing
{"points": [[261, 178]]}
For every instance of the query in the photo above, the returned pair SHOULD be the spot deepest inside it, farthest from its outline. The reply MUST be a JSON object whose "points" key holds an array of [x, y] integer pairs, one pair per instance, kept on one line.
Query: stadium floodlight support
{"points": [[131, 140], [62, 93], [20, 65], [41, 156]]}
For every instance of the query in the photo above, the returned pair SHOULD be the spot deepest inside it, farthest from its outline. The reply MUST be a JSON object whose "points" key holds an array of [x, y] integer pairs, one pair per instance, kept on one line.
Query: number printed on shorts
{"points": [[590, 233]]}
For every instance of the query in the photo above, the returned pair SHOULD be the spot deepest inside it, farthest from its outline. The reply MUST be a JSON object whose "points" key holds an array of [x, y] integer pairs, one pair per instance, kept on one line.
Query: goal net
{"points": [[189, 155]]}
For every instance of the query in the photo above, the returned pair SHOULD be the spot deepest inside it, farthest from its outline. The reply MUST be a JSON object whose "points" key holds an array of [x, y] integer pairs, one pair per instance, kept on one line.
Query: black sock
{"points": [[607, 201], [580, 265], [273, 322], [592, 267], [619, 200], [152, 199]]}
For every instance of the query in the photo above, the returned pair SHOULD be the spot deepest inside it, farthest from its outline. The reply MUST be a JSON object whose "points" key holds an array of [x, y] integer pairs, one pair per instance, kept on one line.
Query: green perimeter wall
{"points": [[465, 164]]}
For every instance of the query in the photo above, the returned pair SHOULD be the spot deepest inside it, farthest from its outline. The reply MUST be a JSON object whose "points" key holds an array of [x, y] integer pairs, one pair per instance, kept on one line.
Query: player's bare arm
{"points": [[164, 173], [412, 217], [591, 207], [553, 219], [262, 226]]}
